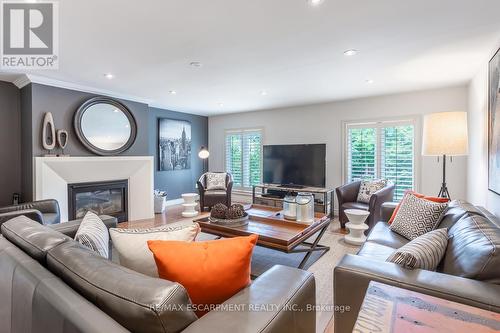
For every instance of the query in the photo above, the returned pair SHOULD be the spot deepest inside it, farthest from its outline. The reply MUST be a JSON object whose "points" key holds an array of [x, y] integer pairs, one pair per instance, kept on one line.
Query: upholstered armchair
{"points": [[208, 198], [43, 211], [347, 196]]}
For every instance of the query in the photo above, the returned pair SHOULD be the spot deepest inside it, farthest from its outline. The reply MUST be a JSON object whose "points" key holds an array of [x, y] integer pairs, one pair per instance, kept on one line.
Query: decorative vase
{"points": [[48, 133], [62, 140]]}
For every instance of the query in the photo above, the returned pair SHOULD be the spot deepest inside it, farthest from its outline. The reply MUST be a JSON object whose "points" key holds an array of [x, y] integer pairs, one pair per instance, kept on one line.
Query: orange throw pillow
{"points": [[418, 195], [211, 271]]}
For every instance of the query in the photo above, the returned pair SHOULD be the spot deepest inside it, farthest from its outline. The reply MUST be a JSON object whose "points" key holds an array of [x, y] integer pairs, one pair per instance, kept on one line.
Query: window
{"points": [[382, 150], [244, 157]]}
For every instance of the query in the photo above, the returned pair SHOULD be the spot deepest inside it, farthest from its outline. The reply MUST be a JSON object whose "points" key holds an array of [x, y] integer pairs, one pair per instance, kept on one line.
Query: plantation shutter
{"points": [[382, 150], [244, 157], [361, 152], [397, 160]]}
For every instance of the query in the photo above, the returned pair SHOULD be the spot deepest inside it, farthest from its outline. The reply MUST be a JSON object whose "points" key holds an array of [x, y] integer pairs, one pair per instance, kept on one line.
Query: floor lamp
{"points": [[203, 154], [445, 134]]}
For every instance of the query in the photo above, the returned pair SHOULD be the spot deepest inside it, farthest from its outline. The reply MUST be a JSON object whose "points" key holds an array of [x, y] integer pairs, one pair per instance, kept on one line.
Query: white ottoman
{"points": [[189, 204], [356, 226]]}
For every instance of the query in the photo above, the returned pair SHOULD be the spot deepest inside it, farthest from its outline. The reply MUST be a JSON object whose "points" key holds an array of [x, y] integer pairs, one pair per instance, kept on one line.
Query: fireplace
{"points": [[102, 198]]}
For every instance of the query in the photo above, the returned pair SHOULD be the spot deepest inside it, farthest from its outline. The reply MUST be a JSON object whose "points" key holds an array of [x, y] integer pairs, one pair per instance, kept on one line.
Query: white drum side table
{"points": [[356, 226], [189, 204]]}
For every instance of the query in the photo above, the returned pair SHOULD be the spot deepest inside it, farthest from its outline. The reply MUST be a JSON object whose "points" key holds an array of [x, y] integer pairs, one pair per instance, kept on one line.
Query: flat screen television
{"points": [[303, 165]]}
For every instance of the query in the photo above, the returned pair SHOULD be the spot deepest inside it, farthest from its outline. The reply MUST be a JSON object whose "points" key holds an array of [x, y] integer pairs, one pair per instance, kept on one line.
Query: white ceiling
{"points": [[291, 50]]}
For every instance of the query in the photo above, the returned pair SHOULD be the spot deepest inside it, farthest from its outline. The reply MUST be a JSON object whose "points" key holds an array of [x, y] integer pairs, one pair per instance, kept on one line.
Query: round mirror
{"points": [[105, 126]]}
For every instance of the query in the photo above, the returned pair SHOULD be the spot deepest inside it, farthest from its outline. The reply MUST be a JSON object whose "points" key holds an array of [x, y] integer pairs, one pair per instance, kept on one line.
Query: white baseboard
{"points": [[175, 202]]}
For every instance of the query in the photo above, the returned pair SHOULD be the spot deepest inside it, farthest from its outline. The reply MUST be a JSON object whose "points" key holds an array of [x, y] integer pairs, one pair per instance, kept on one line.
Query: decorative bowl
{"points": [[231, 222]]}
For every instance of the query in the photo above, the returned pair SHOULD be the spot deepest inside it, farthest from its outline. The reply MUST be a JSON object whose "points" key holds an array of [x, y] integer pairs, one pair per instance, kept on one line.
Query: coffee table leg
{"points": [[314, 247]]}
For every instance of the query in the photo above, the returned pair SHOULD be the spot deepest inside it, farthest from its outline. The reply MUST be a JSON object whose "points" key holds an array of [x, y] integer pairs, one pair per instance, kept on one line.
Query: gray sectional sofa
{"points": [[50, 283]]}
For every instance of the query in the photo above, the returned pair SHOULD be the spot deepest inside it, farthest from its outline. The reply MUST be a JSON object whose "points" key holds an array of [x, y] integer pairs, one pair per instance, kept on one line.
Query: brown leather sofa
{"points": [[469, 272], [347, 196], [50, 283], [209, 198]]}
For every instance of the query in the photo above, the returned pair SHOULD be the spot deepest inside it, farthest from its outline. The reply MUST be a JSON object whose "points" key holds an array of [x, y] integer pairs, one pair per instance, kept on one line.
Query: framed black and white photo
{"points": [[174, 144], [494, 124]]}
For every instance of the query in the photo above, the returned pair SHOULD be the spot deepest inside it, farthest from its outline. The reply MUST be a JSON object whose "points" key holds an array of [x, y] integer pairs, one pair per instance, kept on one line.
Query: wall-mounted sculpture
{"points": [[62, 140], [48, 133]]}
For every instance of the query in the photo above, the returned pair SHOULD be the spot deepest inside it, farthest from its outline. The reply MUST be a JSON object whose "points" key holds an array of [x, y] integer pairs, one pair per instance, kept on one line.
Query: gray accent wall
{"points": [[177, 182], [37, 99], [10, 138]]}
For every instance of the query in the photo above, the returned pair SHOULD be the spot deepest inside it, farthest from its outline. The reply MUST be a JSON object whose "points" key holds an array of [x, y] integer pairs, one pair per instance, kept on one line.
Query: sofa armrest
{"points": [[280, 300], [71, 227], [386, 210], [353, 274], [33, 214]]}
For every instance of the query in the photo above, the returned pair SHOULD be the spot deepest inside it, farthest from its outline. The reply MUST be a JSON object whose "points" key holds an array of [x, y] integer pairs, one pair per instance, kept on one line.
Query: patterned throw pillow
{"points": [[132, 244], [424, 252], [216, 181], [417, 216], [93, 234], [368, 187]]}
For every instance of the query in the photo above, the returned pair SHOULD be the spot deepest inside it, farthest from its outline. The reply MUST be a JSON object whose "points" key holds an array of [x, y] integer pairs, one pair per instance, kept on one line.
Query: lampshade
{"points": [[445, 133], [203, 153]]}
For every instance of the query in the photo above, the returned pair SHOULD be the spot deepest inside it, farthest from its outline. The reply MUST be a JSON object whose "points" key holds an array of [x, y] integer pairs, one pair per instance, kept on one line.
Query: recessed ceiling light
{"points": [[109, 76], [221, 104], [369, 81], [351, 52], [263, 93], [315, 2], [172, 92], [195, 64]]}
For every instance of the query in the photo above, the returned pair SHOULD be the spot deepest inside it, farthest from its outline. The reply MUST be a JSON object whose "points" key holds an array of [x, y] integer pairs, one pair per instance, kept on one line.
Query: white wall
{"points": [[477, 169], [322, 123]]}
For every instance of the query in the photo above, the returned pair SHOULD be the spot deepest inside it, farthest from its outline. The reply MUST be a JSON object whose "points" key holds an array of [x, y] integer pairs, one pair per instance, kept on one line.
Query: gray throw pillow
{"points": [[424, 252], [368, 187], [93, 234], [417, 216]]}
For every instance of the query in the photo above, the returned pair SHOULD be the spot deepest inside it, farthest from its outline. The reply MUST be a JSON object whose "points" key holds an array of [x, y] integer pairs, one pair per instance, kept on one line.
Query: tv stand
{"points": [[272, 195], [294, 186]]}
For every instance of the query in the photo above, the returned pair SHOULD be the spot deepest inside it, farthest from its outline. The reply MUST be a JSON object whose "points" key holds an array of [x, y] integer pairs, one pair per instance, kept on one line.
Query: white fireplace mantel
{"points": [[53, 174]]}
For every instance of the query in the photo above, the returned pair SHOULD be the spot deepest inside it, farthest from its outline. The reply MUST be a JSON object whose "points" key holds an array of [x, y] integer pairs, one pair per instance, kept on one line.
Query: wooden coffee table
{"points": [[274, 231]]}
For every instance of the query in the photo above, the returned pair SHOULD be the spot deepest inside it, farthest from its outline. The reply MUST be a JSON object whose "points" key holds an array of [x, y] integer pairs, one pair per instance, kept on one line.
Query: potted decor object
{"points": [[233, 216], [160, 201]]}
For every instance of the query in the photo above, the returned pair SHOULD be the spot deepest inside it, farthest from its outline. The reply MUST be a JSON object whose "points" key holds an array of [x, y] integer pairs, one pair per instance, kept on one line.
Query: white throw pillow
{"points": [[417, 216], [424, 252], [216, 180], [132, 244], [368, 187], [93, 234]]}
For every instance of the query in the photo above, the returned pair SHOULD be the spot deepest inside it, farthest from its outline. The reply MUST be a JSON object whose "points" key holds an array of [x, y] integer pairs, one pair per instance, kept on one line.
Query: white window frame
{"points": [[414, 120], [242, 130]]}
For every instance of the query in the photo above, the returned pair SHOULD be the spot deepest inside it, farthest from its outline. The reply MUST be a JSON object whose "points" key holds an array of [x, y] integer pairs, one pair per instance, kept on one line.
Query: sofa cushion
{"points": [[132, 244], [381, 233], [32, 237], [455, 211], [417, 216], [424, 252], [355, 205], [212, 271], [474, 249], [94, 234], [136, 301], [216, 181], [375, 251], [368, 187]]}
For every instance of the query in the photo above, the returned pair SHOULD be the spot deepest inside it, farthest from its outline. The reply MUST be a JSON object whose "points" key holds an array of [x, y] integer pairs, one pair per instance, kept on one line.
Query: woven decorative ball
{"points": [[218, 211], [234, 213]]}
